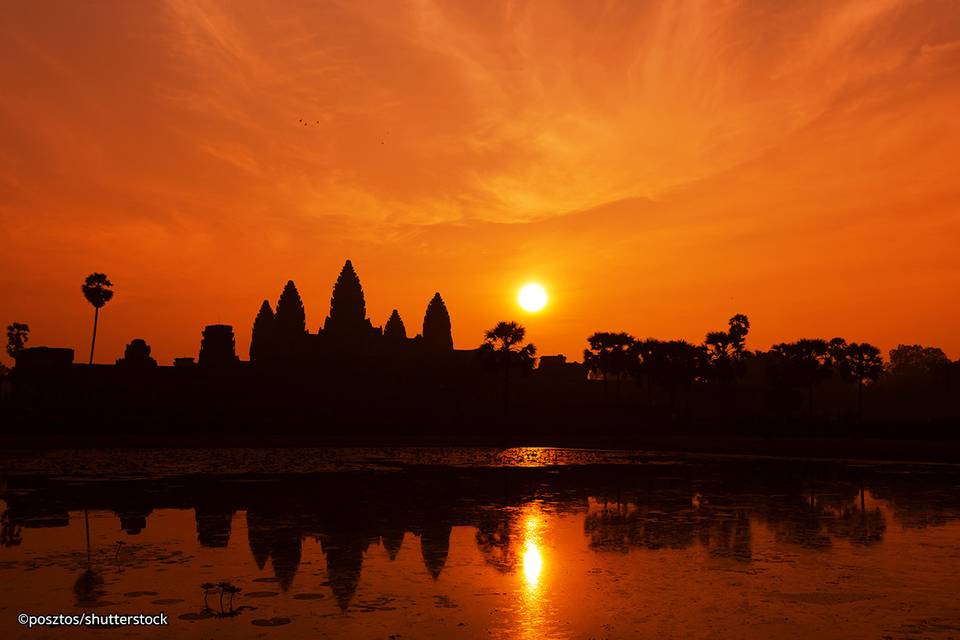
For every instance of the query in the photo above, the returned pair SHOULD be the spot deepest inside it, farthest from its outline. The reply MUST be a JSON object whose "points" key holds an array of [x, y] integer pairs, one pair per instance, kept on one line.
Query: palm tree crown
{"points": [[97, 289], [505, 336], [609, 353], [504, 344]]}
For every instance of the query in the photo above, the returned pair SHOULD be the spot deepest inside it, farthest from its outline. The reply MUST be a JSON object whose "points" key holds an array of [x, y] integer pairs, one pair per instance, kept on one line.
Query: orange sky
{"points": [[658, 166]]}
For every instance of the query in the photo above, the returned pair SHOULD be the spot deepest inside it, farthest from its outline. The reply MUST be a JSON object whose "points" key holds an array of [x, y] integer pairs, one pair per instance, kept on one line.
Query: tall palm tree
{"points": [[87, 586], [503, 347], [97, 289]]}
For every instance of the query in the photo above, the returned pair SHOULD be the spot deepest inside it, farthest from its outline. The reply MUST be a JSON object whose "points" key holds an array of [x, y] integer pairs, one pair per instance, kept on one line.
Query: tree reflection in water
{"points": [[624, 508]]}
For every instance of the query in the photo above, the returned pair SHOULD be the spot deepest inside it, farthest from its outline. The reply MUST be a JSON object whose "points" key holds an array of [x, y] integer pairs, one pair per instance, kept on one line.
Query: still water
{"points": [[478, 543]]}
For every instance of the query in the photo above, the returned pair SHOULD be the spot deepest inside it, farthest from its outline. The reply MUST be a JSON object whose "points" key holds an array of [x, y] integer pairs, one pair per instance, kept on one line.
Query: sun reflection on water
{"points": [[532, 564], [532, 591]]}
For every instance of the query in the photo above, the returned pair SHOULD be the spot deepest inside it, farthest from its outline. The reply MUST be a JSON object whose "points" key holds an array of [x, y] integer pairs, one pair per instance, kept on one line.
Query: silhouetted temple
{"points": [[348, 377], [282, 337]]}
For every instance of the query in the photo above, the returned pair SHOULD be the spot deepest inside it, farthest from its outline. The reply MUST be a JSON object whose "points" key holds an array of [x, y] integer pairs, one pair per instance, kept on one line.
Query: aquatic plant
{"points": [[207, 588], [232, 591]]}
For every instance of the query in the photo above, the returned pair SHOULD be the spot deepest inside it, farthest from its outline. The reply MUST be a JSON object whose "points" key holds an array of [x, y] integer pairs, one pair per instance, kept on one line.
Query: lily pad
{"points": [[203, 615], [270, 622]]}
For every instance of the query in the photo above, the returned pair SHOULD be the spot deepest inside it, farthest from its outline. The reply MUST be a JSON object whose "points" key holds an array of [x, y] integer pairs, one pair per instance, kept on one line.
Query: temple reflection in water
{"points": [[623, 508]]}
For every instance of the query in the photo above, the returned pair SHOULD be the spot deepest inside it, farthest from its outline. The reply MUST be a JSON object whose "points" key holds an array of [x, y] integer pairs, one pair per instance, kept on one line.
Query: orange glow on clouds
{"points": [[658, 166]]}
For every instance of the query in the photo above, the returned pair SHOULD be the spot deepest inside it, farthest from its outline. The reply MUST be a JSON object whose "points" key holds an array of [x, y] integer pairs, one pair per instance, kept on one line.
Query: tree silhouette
{"points": [[290, 321], [857, 362], [916, 361], [610, 354], [97, 289], [924, 372], [503, 347], [437, 334], [262, 337], [18, 334], [641, 361], [674, 365], [394, 331], [726, 355], [804, 363]]}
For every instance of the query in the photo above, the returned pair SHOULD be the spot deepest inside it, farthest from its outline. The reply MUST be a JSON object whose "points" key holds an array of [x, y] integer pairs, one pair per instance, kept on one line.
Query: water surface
{"points": [[479, 543]]}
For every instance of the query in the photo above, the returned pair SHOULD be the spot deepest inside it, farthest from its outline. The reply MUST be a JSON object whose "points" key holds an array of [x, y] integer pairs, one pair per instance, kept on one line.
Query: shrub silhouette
{"points": [[916, 361], [18, 334]]}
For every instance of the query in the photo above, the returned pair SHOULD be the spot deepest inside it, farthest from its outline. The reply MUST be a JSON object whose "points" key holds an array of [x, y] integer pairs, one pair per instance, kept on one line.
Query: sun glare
{"points": [[532, 297]]}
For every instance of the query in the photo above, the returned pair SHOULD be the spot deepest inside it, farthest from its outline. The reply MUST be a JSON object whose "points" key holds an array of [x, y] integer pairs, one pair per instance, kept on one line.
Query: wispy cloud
{"points": [[246, 142]]}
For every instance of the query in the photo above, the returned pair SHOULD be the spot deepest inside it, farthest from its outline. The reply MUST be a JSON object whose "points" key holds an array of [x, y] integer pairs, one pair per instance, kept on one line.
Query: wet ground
{"points": [[479, 543]]}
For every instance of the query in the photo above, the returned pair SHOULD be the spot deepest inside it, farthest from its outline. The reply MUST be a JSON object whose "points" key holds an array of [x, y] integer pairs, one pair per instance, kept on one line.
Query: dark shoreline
{"points": [[866, 449]]}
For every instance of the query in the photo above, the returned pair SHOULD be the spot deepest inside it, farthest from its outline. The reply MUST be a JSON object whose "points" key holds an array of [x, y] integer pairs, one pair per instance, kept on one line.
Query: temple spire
{"points": [[437, 335]]}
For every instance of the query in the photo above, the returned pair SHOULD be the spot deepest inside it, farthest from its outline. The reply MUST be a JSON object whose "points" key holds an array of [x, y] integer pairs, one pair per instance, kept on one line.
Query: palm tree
{"points": [[726, 356], [503, 347], [97, 289], [86, 588], [858, 362], [641, 361], [610, 354], [674, 365], [804, 363]]}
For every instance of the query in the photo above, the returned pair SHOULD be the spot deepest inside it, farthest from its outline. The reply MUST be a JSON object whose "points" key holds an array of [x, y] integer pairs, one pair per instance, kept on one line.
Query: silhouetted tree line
{"points": [[350, 373], [722, 361]]}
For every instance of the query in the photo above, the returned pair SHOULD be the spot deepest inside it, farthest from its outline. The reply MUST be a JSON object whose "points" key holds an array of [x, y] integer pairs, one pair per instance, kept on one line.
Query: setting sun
{"points": [[532, 297]]}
